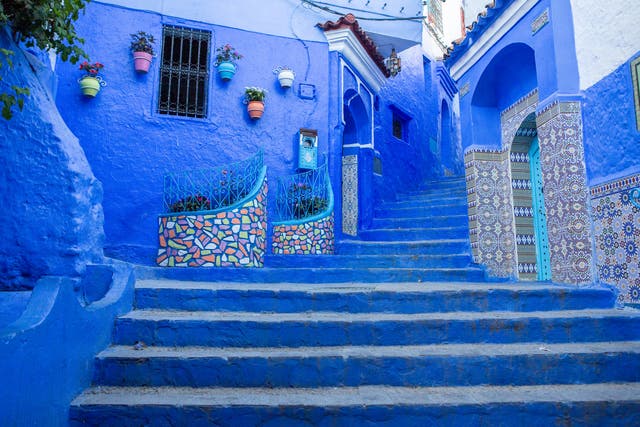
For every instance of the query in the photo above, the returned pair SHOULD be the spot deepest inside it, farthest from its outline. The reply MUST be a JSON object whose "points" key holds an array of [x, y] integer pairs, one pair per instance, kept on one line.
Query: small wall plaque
{"points": [[540, 21]]}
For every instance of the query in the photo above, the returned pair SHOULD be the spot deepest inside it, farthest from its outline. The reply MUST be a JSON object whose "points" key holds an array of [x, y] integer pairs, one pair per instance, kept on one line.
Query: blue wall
{"points": [[611, 138], [51, 199], [130, 146]]}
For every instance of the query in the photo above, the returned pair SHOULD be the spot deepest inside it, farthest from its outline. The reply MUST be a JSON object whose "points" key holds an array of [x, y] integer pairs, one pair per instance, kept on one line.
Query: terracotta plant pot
{"points": [[90, 86], [285, 77], [226, 70], [255, 109], [142, 61]]}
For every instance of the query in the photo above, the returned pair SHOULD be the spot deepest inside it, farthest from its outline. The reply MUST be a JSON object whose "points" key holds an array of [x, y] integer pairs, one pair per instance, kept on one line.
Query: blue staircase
{"points": [[356, 339]]}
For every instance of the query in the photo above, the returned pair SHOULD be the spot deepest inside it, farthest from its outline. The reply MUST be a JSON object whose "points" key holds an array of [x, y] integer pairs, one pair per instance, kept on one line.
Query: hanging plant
{"points": [[91, 82], [143, 51]]}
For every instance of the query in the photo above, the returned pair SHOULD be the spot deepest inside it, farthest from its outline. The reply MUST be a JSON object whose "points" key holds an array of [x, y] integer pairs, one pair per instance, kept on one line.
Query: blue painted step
{"points": [[458, 209], [424, 247], [252, 329], [363, 298], [343, 261], [316, 275], [607, 404], [421, 221], [419, 366], [414, 234], [425, 202]]}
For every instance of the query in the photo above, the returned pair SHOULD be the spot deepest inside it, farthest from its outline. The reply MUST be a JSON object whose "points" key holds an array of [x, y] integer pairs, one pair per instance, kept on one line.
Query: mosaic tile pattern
{"points": [[491, 223], [234, 238], [566, 195], [617, 237], [309, 238], [350, 195]]}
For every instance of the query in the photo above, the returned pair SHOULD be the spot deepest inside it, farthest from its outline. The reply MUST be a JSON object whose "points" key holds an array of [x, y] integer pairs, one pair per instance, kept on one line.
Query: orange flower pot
{"points": [[255, 109]]}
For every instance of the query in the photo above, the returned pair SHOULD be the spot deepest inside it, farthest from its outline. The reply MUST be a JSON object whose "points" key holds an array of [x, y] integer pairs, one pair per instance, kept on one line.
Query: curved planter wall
{"points": [[232, 238], [309, 238]]}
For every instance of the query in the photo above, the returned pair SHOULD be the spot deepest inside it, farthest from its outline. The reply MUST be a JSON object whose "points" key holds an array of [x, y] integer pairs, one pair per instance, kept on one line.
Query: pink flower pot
{"points": [[142, 61]]}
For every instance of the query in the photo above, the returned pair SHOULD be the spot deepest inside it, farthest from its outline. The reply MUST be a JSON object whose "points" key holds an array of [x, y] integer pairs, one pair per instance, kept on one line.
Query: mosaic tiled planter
{"points": [[310, 238], [232, 238]]}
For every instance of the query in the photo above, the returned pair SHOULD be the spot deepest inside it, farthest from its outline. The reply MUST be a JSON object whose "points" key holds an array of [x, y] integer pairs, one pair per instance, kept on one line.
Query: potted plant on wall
{"points": [[142, 48], [285, 76], [226, 57], [90, 83], [254, 97]]}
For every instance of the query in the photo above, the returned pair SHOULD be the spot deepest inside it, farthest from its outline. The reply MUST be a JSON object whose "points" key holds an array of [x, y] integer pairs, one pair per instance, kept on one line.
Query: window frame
{"points": [[207, 81], [635, 81]]}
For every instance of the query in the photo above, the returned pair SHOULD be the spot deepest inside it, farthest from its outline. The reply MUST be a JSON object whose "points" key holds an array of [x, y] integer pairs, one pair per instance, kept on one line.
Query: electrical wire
{"points": [[361, 18]]}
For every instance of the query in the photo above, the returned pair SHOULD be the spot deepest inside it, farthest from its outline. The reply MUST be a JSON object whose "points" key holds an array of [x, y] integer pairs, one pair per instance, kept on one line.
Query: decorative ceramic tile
{"points": [[566, 195], [234, 238], [491, 224], [314, 237], [350, 195], [617, 237]]}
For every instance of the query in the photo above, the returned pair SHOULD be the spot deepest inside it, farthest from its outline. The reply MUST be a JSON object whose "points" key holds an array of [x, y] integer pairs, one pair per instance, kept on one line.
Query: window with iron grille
{"points": [[184, 72], [399, 124]]}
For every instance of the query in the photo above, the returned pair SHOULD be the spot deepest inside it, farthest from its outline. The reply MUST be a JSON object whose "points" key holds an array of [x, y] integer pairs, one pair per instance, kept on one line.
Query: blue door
{"points": [[539, 213]]}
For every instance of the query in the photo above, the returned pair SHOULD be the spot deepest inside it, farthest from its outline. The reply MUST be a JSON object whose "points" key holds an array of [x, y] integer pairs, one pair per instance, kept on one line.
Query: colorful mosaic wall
{"points": [[234, 238], [315, 237], [617, 236], [565, 192], [491, 224], [350, 195]]}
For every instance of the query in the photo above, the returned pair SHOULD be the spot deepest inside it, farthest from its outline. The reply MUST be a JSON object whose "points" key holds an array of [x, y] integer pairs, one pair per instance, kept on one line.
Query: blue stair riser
{"points": [[339, 370], [598, 413], [453, 194], [420, 211], [414, 234], [412, 248], [307, 333], [435, 203], [321, 275], [420, 222], [380, 261], [284, 301]]}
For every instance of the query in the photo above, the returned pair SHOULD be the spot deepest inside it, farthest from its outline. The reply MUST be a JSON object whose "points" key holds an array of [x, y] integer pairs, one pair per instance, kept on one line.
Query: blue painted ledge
{"points": [[47, 354]]}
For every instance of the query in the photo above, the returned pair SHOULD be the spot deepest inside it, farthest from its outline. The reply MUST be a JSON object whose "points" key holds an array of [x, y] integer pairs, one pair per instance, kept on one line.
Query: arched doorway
{"points": [[528, 203], [357, 132]]}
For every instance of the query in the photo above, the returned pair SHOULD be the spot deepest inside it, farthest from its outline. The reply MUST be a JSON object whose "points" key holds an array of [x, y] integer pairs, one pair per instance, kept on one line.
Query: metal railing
{"points": [[211, 189], [303, 195]]}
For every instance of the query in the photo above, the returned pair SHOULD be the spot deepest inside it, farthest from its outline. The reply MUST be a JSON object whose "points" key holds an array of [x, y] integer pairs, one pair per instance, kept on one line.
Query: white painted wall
{"points": [[607, 34], [472, 8]]}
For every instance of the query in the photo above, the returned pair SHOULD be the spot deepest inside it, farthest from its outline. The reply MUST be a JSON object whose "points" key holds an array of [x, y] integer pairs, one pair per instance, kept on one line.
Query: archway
{"points": [[356, 133], [532, 243]]}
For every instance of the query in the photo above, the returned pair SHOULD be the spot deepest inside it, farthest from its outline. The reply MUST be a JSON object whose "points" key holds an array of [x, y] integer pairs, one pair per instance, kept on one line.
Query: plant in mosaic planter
{"points": [[143, 51], [91, 82], [254, 97], [226, 58], [303, 202], [191, 204]]}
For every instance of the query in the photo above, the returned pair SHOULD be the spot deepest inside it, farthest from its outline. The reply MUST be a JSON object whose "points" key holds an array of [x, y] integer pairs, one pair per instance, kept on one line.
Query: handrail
{"points": [[303, 197], [211, 189]]}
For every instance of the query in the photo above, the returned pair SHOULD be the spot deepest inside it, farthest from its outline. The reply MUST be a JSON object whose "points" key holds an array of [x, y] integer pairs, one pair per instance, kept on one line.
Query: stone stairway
{"points": [[366, 349]]}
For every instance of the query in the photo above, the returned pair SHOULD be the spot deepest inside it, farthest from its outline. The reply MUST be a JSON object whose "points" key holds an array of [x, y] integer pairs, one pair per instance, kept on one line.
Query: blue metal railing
{"points": [[211, 189], [303, 195]]}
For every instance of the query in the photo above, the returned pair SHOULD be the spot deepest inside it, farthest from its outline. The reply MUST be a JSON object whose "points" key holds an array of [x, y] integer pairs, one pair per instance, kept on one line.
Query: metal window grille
{"points": [[184, 73], [398, 126]]}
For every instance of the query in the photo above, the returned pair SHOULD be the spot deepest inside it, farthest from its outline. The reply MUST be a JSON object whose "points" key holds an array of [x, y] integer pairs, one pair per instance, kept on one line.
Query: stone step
{"points": [[410, 212], [422, 247], [311, 329], [601, 404], [421, 221], [417, 366], [425, 203], [343, 261], [414, 234], [364, 297], [316, 275]]}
